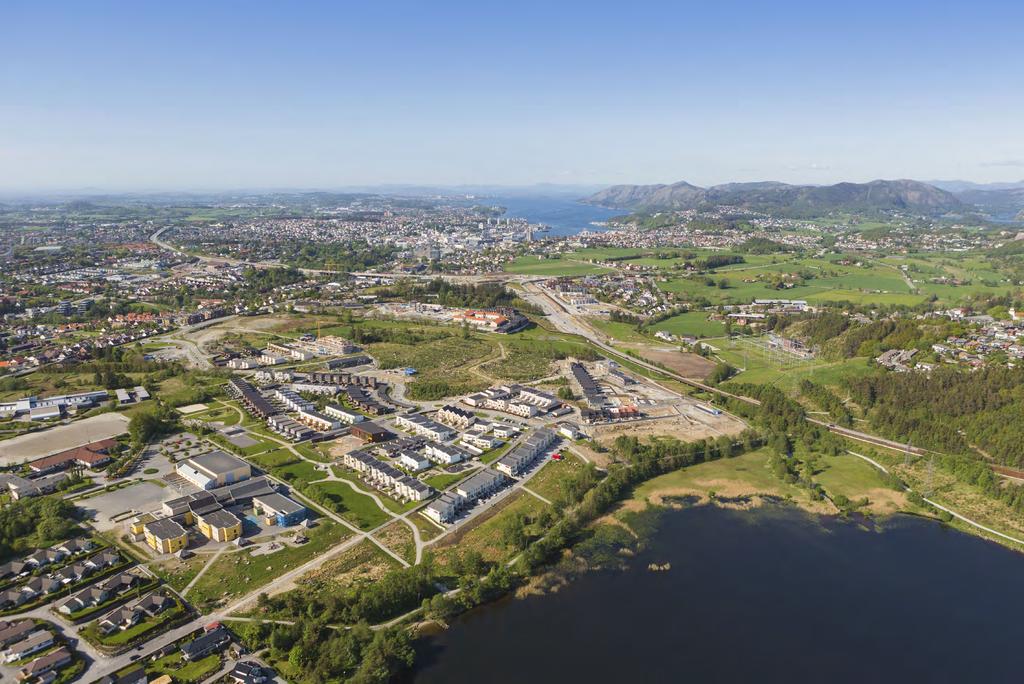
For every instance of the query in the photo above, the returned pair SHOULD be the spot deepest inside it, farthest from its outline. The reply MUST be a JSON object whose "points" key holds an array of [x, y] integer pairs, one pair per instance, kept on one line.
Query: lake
{"points": [[563, 214], [773, 595]]}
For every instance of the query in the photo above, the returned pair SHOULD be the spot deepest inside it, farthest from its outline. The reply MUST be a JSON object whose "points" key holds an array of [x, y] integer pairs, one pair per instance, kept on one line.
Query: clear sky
{"points": [[214, 95]]}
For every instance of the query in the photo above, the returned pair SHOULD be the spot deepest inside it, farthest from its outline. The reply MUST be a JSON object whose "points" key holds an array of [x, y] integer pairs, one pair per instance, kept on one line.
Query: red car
{"points": [[556, 457]]}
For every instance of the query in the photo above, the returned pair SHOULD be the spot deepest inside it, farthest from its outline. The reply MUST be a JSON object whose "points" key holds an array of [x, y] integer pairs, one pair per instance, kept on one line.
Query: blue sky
{"points": [[212, 95]]}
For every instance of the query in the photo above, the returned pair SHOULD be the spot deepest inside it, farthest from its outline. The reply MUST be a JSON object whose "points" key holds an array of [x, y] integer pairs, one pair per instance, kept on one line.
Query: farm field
{"points": [[693, 323], [532, 265]]}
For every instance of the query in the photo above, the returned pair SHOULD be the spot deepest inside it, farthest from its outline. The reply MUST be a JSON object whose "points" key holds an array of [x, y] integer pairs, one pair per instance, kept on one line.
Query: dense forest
{"points": [[316, 653], [950, 410], [34, 523], [474, 296]]}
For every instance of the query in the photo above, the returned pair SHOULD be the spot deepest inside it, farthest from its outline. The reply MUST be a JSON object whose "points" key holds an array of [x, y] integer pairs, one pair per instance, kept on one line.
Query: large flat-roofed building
{"points": [[278, 509], [219, 525], [45, 413], [165, 535], [215, 469], [63, 401], [239, 493]]}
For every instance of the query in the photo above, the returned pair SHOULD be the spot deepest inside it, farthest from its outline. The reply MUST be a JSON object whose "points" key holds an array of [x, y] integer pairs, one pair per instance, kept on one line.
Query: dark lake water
{"points": [[770, 596], [564, 215]]}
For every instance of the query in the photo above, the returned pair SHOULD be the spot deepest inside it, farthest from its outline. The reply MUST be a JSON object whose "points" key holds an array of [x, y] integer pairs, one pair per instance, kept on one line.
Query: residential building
{"points": [[444, 508], [214, 641], [456, 417], [422, 425], [482, 484], [444, 454], [45, 663], [290, 428], [318, 421], [525, 454], [343, 414], [412, 461], [34, 642]]}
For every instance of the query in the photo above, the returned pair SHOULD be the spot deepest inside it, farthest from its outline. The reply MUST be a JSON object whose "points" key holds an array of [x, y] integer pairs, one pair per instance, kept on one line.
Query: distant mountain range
{"points": [[958, 186], [782, 198], [1001, 201]]}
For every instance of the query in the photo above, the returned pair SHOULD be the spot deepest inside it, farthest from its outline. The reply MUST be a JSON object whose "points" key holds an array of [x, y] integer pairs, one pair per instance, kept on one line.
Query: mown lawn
{"points": [[340, 498]]}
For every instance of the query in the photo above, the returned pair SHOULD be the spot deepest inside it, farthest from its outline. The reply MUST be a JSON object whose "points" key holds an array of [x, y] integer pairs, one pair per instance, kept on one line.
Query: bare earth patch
{"points": [[688, 365], [682, 422], [882, 501]]}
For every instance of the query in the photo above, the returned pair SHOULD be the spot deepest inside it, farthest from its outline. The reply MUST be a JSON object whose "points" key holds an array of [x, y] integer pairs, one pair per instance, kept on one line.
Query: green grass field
{"points": [[820, 280], [762, 369], [339, 497], [235, 574], [746, 474], [532, 265], [694, 323], [549, 481], [486, 537]]}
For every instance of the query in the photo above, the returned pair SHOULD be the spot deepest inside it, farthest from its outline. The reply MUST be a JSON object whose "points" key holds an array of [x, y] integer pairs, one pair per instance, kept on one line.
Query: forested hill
{"points": [[951, 410], [782, 198]]}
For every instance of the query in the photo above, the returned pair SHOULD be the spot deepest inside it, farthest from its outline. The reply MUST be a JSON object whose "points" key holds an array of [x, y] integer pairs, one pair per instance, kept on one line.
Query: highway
{"points": [[567, 322]]}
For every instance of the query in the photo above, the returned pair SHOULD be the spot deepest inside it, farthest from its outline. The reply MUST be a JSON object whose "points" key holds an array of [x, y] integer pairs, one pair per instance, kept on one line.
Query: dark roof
{"points": [[279, 503], [369, 428], [137, 675], [206, 642], [220, 518], [165, 528]]}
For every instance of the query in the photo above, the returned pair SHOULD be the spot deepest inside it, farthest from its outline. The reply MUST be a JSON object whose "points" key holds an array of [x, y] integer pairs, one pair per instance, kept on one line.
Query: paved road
{"points": [[939, 506], [567, 322]]}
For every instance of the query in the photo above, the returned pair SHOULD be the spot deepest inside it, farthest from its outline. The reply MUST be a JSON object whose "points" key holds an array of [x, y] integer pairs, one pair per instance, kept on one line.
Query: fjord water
{"points": [[562, 214], [773, 595]]}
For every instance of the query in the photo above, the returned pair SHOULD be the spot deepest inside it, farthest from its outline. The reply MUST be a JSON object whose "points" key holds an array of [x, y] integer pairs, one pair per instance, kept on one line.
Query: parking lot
{"points": [[138, 498]]}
